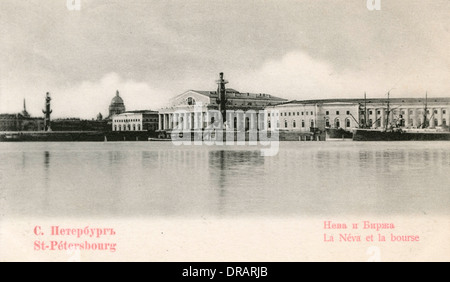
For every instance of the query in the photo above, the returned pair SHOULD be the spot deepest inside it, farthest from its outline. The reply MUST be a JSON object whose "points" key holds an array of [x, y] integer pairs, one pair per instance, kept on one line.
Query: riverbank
{"points": [[74, 136]]}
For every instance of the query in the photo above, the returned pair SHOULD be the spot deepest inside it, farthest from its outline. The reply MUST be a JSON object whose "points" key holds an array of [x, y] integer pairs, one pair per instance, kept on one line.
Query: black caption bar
{"points": [[224, 271]]}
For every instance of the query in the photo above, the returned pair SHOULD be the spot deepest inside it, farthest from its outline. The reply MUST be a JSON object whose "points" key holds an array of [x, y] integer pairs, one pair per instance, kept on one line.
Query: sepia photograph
{"points": [[224, 131]]}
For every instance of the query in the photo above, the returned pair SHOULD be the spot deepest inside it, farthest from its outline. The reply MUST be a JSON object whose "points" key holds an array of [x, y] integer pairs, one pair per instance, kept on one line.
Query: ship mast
{"points": [[365, 110], [388, 112]]}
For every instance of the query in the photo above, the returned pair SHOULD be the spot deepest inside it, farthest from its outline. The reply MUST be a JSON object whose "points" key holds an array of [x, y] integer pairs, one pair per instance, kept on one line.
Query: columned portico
{"points": [[406, 117]]}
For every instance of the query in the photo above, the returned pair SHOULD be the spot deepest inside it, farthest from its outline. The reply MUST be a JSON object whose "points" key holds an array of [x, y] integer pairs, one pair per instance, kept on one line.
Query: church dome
{"points": [[117, 106], [117, 100]]}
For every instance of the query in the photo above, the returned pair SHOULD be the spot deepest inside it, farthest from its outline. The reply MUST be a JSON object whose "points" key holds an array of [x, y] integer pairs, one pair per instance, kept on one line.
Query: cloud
{"points": [[87, 99], [83, 100], [297, 75]]}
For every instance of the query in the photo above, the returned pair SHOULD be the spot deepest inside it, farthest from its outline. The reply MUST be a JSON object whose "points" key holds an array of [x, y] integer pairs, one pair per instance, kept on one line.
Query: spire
{"points": [[117, 93], [24, 112]]}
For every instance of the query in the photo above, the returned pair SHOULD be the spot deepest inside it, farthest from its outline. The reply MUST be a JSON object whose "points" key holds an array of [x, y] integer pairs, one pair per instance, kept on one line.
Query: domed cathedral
{"points": [[117, 106]]}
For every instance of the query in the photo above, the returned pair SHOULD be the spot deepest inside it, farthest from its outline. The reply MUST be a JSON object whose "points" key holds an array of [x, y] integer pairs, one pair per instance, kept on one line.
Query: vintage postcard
{"points": [[224, 131]]}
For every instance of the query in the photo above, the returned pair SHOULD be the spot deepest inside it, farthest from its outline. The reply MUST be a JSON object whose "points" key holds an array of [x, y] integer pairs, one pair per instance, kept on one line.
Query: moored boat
{"points": [[338, 133], [360, 134], [396, 131]]}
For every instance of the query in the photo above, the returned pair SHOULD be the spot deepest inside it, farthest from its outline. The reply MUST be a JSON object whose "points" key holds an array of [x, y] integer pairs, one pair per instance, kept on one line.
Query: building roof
{"points": [[140, 112], [234, 94], [370, 101]]}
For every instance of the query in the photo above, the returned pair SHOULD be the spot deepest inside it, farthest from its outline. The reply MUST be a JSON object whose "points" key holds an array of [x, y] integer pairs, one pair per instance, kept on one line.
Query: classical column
{"points": [[383, 117], [238, 121], [431, 118], [379, 117], [164, 122], [167, 121], [260, 121], [175, 120], [159, 121], [415, 118], [406, 117], [197, 120], [195, 114], [447, 116], [375, 118], [391, 117], [439, 116], [181, 121], [185, 121], [190, 123]]}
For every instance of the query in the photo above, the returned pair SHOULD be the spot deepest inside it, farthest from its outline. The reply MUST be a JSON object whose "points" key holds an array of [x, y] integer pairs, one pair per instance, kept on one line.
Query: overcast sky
{"points": [[152, 50]]}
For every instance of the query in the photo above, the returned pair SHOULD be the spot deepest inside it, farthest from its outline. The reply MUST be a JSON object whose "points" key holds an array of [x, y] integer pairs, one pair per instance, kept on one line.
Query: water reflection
{"points": [[46, 159], [227, 168], [148, 179]]}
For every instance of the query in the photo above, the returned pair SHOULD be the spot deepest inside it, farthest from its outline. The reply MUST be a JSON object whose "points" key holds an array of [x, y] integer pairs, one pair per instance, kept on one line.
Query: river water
{"points": [[146, 179]]}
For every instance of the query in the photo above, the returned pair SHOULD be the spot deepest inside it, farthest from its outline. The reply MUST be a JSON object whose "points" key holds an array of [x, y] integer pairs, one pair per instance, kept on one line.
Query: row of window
{"points": [[128, 120], [127, 127], [411, 112], [136, 120], [435, 122], [348, 113], [306, 113], [337, 123], [292, 113], [294, 124], [337, 113]]}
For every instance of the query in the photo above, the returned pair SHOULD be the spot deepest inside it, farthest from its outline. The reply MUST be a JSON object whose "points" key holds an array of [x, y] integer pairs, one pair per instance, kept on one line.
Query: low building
{"points": [[347, 114], [77, 124], [308, 116], [407, 112], [19, 122], [145, 120]]}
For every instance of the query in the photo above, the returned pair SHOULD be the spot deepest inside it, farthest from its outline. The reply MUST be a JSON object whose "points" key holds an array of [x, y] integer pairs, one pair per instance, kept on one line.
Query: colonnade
{"points": [[238, 120]]}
